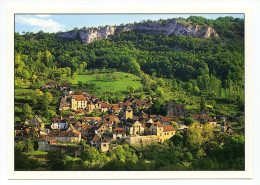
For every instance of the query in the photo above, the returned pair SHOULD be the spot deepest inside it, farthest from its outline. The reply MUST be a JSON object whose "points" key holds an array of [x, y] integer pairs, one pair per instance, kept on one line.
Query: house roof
{"points": [[159, 124], [65, 84], [169, 119], [63, 134], [119, 129], [79, 97], [51, 83], [105, 105], [115, 107], [127, 103], [95, 138], [202, 117], [167, 128], [87, 127]]}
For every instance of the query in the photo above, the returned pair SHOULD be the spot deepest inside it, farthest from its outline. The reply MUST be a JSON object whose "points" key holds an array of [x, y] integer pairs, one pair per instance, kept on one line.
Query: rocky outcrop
{"points": [[170, 27]]}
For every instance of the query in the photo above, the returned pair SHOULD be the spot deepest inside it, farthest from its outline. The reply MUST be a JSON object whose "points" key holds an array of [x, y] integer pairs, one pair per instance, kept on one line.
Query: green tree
{"points": [[189, 121], [27, 111], [56, 160], [133, 67]]}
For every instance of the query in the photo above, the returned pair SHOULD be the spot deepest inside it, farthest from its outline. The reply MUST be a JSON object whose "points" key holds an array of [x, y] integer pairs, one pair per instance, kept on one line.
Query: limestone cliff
{"points": [[169, 27]]}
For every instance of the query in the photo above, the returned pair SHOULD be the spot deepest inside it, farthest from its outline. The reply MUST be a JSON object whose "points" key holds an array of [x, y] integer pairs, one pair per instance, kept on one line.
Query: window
{"points": [[104, 145]]}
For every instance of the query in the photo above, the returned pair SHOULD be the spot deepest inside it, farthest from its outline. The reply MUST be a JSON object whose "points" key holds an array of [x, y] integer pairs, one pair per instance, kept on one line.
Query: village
{"points": [[118, 123]]}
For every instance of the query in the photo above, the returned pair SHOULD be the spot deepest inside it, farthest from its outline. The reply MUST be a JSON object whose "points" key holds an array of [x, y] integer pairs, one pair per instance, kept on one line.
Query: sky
{"points": [[53, 23]]}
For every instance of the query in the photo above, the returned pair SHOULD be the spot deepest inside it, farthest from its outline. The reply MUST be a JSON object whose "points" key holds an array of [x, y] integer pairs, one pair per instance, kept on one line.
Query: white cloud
{"points": [[43, 15], [47, 25]]}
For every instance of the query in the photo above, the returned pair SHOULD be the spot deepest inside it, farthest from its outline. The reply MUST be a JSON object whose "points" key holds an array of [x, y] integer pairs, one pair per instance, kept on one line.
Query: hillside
{"points": [[174, 67]]}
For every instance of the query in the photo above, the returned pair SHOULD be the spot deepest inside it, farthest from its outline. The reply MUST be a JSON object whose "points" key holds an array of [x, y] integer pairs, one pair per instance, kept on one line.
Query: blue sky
{"points": [[65, 22]]}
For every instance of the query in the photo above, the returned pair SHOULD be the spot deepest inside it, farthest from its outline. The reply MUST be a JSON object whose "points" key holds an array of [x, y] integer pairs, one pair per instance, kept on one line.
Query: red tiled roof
{"points": [[87, 127], [167, 128], [79, 97], [118, 129], [63, 134], [95, 138], [159, 124], [115, 106]]}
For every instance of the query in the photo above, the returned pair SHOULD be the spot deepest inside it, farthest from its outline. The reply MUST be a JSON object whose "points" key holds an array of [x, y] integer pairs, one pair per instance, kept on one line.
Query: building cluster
{"points": [[119, 123]]}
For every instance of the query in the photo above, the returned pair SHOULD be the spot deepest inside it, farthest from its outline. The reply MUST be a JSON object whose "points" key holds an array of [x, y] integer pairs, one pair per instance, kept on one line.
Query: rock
{"points": [[170, 27]]}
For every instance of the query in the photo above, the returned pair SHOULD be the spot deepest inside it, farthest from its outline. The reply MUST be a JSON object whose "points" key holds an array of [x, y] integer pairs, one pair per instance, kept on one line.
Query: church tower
{"points": [[128, 113]]}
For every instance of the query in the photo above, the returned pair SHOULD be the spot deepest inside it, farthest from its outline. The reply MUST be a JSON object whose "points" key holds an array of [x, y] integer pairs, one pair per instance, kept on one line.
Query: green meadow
{"points": [[117, 82]]}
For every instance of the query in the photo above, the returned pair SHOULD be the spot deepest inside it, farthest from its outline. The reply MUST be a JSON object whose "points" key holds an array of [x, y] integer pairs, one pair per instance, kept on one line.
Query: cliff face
{"points": [[171, 27]]}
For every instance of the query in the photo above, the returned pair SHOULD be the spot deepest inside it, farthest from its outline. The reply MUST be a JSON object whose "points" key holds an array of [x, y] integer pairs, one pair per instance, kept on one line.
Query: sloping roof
{"points": [[159, 124], [65, 84], [87, 127], [115, 107], [95, 138], [119, 129], [105, 105], [202, 117], [63, 134], [91, 118], [167, 128], [169, 119], [79, 97], [127, 103], [51, 83]]}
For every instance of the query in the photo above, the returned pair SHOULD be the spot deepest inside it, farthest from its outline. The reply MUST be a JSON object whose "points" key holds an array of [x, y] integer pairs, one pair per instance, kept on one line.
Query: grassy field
{"points": [[104, 85]]}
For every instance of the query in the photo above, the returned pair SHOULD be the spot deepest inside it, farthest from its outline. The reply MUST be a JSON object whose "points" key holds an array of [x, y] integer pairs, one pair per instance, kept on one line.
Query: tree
{"points": [[198, 135], [203, 105], [80, 84], [175, 125], [27, 111], [26, 74], [48, 97], [133, 67], [56, 160], [189, 121]]}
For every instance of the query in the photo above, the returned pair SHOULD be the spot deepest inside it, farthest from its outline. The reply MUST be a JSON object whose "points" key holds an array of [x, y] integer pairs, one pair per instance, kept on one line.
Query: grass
{"points": [[36, 153], [123, 80], [68, 144]]}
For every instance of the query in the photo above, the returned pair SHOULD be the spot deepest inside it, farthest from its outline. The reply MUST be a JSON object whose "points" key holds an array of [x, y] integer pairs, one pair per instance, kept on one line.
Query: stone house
{"points": [[88, 130], [134, 129], [37, 122], [71, 136], [168, 132], [59, 124], [91, 120], [119, 133], [65, 85], [95, 142], [103, 128], [115, 109], [204, 118], [50, 85], [104, 146], [78, 102], [64, 103], [156, 129], [105, 107], [43, 144], [176, 109]]}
